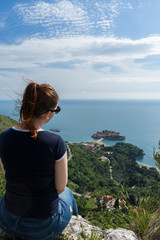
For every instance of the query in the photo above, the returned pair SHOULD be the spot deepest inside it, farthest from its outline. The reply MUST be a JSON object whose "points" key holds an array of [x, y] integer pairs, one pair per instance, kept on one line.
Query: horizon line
{"points": [[97, 99]]}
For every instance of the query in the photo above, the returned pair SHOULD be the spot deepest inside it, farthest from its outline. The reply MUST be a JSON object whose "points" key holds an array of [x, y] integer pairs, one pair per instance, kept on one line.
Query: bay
{"points": [[139, 121]]}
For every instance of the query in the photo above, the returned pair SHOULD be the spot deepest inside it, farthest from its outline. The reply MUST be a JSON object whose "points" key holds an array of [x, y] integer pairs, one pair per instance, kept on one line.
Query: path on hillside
{"points": [[69, 151], [110, 169]]}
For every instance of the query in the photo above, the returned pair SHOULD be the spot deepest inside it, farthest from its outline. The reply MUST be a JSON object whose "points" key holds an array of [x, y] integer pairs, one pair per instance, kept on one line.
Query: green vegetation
{"points": [[104, 177], [2, 184], [94, 236], [96, 170], [86, 170], [156, 156], [6, 122], [114, 171]]}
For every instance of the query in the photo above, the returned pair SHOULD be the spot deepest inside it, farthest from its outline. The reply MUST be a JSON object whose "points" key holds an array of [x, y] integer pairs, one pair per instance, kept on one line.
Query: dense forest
{"points": [[99, 167]]}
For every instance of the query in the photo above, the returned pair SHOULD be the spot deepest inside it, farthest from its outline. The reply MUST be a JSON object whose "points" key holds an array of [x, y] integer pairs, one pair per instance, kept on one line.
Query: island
{"points": [[106, 134], [54, 130]]}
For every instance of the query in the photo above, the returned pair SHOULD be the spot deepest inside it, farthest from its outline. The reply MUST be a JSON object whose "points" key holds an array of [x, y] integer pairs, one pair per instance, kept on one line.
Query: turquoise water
{"points": [[139, 121]]}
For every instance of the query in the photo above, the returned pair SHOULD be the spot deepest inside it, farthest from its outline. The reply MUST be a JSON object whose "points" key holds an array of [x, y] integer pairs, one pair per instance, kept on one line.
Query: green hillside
{"points": [[105, 169], [6, 122], [113, 171]]}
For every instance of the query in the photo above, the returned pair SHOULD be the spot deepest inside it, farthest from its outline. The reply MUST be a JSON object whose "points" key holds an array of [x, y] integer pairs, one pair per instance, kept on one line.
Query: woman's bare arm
{"points": [[61, 174], [2, 166]]}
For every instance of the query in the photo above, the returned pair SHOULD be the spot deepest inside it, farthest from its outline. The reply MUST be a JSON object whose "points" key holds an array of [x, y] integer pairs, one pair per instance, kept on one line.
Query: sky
{"points": [[86, 49]]}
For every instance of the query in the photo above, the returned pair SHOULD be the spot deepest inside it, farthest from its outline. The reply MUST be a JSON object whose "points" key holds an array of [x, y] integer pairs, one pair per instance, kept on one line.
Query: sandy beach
{"points": [[147, 166]]}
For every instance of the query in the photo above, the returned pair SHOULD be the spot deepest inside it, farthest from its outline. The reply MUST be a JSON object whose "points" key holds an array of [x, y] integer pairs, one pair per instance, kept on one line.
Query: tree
{"points": [[156, 156]]}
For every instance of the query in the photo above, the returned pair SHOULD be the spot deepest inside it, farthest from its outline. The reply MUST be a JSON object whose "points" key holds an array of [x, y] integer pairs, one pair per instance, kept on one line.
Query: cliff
{"points": [[111, 135]]}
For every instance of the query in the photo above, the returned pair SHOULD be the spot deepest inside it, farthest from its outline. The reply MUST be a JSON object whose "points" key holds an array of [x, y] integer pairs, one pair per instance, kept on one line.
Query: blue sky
{"points": [[86, 49]]}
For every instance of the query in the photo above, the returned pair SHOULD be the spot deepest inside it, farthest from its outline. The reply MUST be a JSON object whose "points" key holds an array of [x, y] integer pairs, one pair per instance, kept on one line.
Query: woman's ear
{"points": [[47, 115]]}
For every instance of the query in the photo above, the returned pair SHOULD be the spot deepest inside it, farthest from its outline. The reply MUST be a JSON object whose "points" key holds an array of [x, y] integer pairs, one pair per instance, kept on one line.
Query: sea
{"points": [[78, 120]]}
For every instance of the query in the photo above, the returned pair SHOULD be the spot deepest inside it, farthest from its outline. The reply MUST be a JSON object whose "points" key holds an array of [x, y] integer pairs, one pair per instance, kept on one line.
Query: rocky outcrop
{"points": [[80, 227], [119, 234]]}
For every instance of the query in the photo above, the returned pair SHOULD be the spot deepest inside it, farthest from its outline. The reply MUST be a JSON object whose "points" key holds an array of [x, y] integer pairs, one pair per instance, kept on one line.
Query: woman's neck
{"points": [[35, 123]]}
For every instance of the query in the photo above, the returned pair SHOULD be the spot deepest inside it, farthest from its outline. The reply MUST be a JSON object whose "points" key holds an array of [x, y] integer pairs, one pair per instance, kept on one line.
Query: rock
{"points": [[119, 234], [78, 226]]}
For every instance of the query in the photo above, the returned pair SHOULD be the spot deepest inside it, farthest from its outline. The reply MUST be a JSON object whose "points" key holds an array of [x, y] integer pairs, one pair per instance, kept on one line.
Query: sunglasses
{"points": [[57, 110]]}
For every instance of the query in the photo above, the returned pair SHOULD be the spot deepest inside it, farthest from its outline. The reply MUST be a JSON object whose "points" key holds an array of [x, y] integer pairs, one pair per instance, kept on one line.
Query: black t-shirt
{"points": [[29, 171]]}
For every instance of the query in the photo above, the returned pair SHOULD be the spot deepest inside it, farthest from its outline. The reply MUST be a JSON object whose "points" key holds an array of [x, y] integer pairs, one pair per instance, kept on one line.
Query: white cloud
{"points": [[51, 13], [69, 17], [91, 50], [86, 67]]}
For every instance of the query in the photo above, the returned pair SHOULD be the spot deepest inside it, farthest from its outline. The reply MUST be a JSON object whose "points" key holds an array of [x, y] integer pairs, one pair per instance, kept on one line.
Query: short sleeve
{"points": [[60, 150]]}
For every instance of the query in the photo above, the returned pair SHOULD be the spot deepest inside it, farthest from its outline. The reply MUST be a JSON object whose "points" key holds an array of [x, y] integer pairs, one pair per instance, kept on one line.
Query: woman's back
{"points": [[32, 180]]}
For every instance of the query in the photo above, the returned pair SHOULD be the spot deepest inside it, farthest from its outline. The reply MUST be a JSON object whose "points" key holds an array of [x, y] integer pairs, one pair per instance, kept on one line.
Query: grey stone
{"points": [[78, 226], [119, 234]]}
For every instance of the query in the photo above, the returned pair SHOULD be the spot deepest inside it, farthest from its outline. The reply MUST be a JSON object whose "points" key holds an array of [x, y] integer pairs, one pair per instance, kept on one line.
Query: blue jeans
{"points": [[39, 229]]}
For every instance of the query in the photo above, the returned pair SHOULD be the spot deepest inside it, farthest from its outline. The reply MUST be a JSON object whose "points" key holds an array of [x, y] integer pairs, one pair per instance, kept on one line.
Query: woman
{"points": [[37, 204]]}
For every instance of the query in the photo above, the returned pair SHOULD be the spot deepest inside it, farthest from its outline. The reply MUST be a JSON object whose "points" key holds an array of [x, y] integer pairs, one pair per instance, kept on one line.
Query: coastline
{"points": [[100, 142], [147, 166]]}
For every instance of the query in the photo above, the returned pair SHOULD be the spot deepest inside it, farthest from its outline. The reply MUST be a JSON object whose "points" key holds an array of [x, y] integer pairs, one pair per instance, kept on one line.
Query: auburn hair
{"points": [[37, 99]]}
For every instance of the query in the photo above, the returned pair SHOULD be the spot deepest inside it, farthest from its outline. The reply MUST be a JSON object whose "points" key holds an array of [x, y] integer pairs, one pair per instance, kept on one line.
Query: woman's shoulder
{"points": [[8, 130], [50, 135], [5, 134]]}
